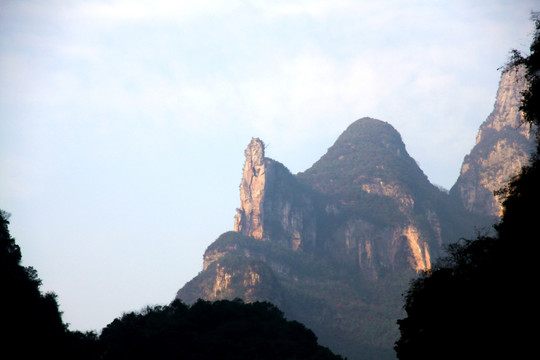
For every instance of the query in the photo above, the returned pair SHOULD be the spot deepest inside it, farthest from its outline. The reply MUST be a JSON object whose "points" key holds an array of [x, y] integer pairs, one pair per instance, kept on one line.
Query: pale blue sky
{"points": [[123, 123]]}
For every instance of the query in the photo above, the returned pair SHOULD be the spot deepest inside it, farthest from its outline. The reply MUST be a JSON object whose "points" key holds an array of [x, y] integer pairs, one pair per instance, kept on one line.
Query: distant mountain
{"points": [[335, 246], [503, 146]]}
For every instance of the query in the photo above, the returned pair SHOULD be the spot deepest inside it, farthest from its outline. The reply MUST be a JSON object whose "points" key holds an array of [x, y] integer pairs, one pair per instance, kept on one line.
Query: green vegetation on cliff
{"points": [[368, 150]]}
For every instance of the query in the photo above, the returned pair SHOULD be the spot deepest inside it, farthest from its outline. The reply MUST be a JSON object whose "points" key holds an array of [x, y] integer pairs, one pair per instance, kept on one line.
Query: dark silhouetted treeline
{"points": [[478, 302], [208, 330], [32, 325]]}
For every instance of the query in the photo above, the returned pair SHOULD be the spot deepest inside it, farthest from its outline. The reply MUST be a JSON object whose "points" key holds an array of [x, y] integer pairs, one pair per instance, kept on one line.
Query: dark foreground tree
{"points": [[210, 330], [479, 302], [31, 324]]}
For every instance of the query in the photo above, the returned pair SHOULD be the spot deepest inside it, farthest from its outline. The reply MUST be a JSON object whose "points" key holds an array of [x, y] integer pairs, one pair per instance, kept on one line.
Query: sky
{"points": [[123, 123]]}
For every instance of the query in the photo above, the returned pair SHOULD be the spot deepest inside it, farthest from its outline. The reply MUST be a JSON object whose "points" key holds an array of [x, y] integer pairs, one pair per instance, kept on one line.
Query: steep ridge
{"points": [[503, 146]]}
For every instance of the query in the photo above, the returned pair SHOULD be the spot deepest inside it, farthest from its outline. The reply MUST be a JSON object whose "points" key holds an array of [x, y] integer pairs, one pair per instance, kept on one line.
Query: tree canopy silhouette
{"points": [[209, 330], [477, 302], [30, 321]]}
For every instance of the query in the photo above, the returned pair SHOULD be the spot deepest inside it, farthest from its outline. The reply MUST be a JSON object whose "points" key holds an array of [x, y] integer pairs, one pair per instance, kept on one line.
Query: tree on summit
{"points": [[478, 301]]}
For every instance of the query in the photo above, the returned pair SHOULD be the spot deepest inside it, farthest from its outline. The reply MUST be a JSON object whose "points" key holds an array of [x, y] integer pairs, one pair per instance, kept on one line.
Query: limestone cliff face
{"points": [[234, 267], [375, 250], [249, 217], [405, 243], [273, 206], [503, 146]]}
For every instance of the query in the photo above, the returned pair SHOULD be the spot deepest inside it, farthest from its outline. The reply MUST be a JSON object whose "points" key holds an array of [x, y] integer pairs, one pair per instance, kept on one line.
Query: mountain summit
{"points": [[368, 156]]}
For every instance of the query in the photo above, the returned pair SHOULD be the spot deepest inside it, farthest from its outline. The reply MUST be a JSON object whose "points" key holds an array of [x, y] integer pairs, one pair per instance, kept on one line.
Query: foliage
{"points": [[346, 314], [530, 106], [453, 310], [209, 330], [476, 302], [31, 322]]}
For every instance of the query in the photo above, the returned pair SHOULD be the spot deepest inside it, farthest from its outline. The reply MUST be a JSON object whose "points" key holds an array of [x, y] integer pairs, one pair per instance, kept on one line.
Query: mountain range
{"points": [[335, 246]]}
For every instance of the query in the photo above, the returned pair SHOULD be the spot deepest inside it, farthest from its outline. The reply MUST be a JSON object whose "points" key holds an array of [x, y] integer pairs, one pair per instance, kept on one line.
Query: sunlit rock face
{"points": [[503, 146], [273, 206], [249, 217], [234, 271]]}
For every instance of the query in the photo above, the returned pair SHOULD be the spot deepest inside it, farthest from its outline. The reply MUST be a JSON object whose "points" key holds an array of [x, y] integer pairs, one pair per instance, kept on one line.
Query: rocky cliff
{"points": [[273, 206], [503, 146], [249, 216]]}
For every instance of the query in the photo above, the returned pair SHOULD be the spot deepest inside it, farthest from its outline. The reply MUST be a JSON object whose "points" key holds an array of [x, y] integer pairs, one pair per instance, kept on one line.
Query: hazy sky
{"points": [[123, 123]]}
